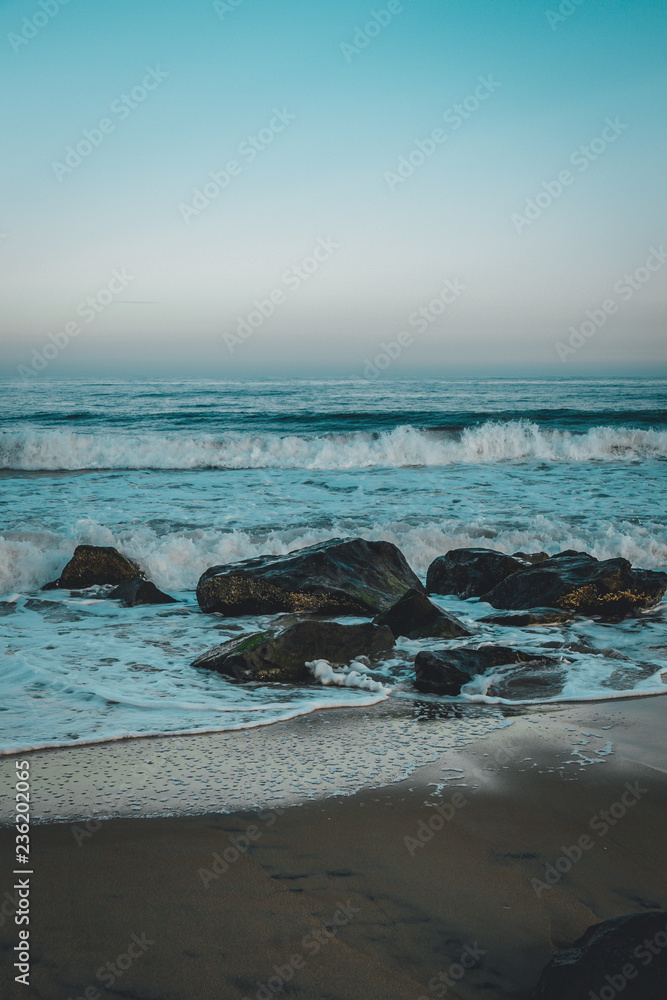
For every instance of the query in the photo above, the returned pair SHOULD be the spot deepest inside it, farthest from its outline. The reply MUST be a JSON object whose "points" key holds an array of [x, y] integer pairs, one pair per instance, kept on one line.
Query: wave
{"points": [[402, 447], [207, 414], [175, 560]]}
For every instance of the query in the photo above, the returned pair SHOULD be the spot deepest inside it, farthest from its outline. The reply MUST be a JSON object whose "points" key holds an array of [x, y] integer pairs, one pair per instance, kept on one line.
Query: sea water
{"points": [[181, 476]]}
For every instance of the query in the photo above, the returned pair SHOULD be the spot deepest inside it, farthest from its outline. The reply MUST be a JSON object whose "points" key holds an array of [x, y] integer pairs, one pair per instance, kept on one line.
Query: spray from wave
{"points": [[175, 560], [402, 447]]}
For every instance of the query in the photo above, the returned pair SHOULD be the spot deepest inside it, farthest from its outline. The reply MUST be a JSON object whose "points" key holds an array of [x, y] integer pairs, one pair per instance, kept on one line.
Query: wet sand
{"points": [[371, 895]]}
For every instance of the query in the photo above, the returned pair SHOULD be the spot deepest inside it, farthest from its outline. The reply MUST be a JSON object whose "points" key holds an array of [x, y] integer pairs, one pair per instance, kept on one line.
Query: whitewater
{"points": [[403, 447], [181, 476]]}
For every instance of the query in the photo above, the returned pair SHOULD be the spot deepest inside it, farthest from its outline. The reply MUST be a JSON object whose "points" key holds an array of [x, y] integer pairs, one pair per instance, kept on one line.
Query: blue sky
{"points": [[332, 123]]}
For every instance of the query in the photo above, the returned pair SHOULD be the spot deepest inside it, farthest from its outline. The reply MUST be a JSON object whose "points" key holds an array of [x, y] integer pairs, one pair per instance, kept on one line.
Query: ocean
{"points": [[181, 476]]}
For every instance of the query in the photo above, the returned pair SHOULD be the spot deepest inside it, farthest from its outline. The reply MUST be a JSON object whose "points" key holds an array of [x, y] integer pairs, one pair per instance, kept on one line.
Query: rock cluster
{"points": [[569, 581], [102, 565], [354, 577]]}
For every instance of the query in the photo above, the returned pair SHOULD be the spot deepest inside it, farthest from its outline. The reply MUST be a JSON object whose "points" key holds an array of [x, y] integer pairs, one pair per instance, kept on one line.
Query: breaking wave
{"points": [[402, 447], [175, 560]]}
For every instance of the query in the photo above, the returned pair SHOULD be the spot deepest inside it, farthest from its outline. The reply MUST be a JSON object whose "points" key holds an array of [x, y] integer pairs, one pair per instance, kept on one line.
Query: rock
{"points": [[140, 591], [95, 564], [269, 657], [415, 617], [581, 583], [529, 681], [611, 959], [536, 616], [340, 577], [447, 670], [531, 557], [470, 572], [572, 581]]}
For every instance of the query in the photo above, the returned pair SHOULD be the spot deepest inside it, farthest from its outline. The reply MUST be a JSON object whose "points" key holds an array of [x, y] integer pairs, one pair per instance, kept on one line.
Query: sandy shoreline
{"points": [[447, 864]]}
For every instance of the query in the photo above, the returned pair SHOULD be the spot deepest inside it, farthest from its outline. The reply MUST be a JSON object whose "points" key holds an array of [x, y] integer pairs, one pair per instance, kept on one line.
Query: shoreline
{"points": [[158, 776], [444, 700], [453, 857]]}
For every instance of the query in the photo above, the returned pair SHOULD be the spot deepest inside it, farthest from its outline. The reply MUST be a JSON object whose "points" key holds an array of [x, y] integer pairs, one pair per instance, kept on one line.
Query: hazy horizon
{"points": [[457, 188]]}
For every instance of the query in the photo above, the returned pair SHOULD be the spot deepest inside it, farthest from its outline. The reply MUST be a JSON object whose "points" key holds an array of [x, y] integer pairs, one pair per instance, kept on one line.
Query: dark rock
{"points": [[470, 572], [281, 657], [628, 675], [93, 565], [340, 577], [140, 591], [536, 616], [578, 582], [528, 682], [531, 557], [611, 959], [415, 617], [447, 670]]}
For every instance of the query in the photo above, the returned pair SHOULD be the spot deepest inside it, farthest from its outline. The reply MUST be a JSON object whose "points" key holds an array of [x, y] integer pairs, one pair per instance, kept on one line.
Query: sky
{"points": [[251, 188]]}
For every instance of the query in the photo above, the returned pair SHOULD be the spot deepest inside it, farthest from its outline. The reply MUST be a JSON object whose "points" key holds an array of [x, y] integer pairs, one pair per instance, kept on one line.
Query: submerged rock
{"points": [[624, 957], [415, 617], [535, 680], [93, 565], [470, 572], [353, 577], [583, 584], [140, 591], [536, 616], [281, 657], [447, 670]]}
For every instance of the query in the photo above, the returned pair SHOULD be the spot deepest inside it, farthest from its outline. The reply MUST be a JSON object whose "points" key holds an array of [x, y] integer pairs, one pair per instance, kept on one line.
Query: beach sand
{"points": [[212, 922]]}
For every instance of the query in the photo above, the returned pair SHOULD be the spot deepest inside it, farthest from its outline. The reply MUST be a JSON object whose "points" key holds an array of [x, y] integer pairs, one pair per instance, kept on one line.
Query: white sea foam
{"points": [[175, 560], [353, 676], [513, 441]]}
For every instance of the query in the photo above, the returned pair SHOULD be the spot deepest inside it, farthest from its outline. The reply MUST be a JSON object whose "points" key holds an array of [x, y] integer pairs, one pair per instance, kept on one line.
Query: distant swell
{"points": [[405, 446]]}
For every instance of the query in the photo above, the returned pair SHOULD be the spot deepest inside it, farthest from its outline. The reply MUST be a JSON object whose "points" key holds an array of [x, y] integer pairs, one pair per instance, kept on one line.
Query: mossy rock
{"points": [[580, 583], [93, 565], [281, 657], [337, 577]]}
